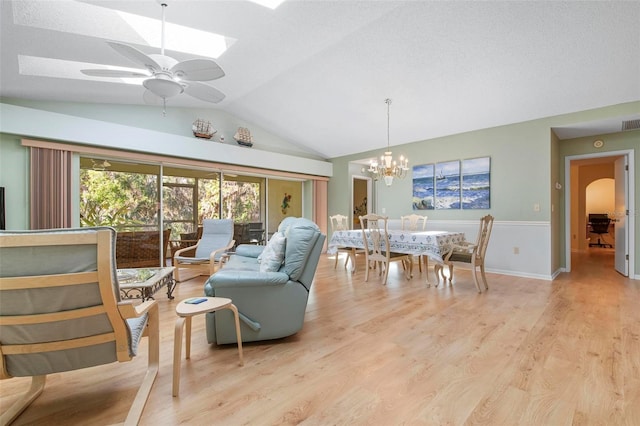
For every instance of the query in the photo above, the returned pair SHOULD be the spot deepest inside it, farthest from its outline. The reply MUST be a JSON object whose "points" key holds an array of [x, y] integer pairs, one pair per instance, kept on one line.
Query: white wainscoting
{"points": [[532, 239]]}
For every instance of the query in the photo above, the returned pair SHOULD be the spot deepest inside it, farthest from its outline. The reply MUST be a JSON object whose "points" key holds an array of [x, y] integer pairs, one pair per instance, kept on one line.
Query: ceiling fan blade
{"points": [[204, 92], [114, 73], [151, 98], [197, 70], [135, 55]]}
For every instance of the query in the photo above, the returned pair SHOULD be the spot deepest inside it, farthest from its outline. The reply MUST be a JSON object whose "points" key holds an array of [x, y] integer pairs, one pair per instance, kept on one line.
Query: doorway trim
{"points": [[631, 233], [369, 195]]}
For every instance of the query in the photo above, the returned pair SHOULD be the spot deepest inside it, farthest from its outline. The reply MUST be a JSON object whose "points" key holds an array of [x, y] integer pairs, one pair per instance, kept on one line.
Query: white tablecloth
{"points": [[434, 244]]}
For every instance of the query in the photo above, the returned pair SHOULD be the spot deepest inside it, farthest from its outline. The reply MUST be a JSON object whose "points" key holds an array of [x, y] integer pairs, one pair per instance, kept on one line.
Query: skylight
{"points": [[271, 4], [97, 21]]}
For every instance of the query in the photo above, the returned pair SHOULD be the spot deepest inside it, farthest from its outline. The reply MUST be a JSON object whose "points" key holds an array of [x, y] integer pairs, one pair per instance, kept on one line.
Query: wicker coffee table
{"points": [[143, 283]]}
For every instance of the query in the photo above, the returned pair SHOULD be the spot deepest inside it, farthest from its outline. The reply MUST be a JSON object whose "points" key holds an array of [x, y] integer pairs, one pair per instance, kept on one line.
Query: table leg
{"points": [[171, 285], [426, 270], [188, 339], [177, 354], [352, 255], [238, 335]]}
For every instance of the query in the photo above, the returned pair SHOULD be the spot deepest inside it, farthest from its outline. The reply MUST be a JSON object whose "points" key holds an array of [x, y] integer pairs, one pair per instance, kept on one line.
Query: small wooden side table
{"points": [[185, 312]]}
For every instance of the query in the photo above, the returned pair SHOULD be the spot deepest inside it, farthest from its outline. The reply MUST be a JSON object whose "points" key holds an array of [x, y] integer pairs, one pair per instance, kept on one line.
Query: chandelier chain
{"points": [[388, 169], [388, 102]]}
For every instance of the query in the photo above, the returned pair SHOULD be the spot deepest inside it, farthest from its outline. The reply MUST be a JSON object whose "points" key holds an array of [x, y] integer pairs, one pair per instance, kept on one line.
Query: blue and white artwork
{"points": [[423, 189], [476, 183], [447, 180]]}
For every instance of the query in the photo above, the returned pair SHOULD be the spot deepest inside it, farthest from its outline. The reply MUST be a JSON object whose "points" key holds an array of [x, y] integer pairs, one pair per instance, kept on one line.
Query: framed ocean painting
{"points": [[447, 185], [476, 183], [423, 188]]}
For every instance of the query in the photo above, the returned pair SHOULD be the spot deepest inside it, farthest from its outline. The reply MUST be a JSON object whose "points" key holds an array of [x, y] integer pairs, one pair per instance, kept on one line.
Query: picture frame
{"points": [[423, 187], [476, 183], [447, 185]]}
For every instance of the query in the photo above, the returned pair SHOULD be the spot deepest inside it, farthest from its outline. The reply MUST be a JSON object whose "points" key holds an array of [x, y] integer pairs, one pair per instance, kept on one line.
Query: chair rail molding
{"points": [[517, 248]]}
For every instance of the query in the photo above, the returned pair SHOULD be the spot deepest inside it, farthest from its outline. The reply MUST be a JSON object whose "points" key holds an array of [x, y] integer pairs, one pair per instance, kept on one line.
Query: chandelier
{"points": [[387, 168]]}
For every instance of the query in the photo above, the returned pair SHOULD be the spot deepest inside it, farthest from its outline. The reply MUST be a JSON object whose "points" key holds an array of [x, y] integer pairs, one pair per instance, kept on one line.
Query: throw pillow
{"points": [[265, 246], [273, 253]]}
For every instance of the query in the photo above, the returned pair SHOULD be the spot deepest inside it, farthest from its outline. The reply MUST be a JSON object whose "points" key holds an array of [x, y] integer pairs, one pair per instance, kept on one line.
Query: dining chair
{"points": [[467, 252], [341, 223], [414, 222], [375, 236], [60, 310], [216, 240]]}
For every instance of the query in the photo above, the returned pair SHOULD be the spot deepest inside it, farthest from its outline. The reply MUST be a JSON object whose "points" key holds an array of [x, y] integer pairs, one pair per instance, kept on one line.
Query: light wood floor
{"points": [[527, 352]]}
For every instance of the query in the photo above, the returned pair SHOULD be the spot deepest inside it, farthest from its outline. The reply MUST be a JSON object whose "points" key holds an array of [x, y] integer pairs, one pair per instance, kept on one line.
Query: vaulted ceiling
{"points": [[316, 73]]}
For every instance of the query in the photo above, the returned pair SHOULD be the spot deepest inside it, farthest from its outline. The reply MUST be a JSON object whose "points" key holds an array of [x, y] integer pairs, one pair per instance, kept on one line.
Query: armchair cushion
{"points": [[301, 236], [273, 254], [249, 250]]}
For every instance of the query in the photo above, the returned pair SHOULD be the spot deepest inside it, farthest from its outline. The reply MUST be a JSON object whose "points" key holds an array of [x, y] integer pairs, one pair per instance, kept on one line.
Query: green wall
{"points": [[516, 185], [14, 164]]}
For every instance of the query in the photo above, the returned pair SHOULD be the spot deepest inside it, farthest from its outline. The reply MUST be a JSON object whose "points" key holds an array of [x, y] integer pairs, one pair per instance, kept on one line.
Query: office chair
{"points": [[599, 225]]}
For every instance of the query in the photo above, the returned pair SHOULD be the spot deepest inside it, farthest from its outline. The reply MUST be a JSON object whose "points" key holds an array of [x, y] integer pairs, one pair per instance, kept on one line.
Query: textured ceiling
{"points": [[316, 73]]}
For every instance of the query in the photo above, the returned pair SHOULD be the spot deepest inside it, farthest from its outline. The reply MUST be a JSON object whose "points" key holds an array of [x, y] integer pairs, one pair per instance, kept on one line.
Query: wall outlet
{"points": [[384, 210], [536, 207], [516, 250]]}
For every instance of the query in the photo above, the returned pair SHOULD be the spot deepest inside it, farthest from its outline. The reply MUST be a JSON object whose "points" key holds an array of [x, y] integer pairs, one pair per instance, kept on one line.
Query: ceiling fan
{"points": [[100, 166], [164, 76]]}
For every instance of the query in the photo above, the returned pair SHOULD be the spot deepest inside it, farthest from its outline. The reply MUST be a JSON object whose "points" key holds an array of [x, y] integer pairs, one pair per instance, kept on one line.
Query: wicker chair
{"points": [[141, 249]]}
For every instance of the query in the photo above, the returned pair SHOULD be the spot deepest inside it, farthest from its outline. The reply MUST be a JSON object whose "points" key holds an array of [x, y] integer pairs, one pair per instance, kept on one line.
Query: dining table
{"points": [[432, 245]]}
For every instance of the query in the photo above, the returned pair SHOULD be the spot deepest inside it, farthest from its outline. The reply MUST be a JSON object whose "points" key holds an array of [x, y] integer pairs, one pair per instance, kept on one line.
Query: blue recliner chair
{"points": [[271, 304]]}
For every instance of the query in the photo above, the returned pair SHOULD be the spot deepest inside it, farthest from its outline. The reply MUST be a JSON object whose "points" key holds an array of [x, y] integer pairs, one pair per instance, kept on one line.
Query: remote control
{"points": [[196, 301]]}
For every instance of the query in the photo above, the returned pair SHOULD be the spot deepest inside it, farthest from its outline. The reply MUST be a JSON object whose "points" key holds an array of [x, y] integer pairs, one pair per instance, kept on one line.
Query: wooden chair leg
{"points": [[386, 273], [475, 278], [437, 270], [409, 271], [484, 277], [450, 273], [37, 385], [366, 271], [153, 336]]}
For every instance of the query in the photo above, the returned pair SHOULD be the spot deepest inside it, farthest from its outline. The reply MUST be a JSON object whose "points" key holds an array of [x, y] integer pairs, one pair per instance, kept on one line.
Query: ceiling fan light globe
{"points": [[165, 88]]}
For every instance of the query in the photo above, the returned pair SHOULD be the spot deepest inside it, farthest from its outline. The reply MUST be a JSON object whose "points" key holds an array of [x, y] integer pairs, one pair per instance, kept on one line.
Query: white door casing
{"points": [[620, 216]]}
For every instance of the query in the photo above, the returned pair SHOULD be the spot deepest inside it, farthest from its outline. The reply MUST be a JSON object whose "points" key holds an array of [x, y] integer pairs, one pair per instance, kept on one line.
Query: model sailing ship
{"points": [[203, 129], [243, 137]]}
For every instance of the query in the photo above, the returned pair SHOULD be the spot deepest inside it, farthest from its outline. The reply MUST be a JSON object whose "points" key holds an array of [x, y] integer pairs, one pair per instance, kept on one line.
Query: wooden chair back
{"points": [[414, 222], [486, 224], [375, 234], [339, 222]]}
